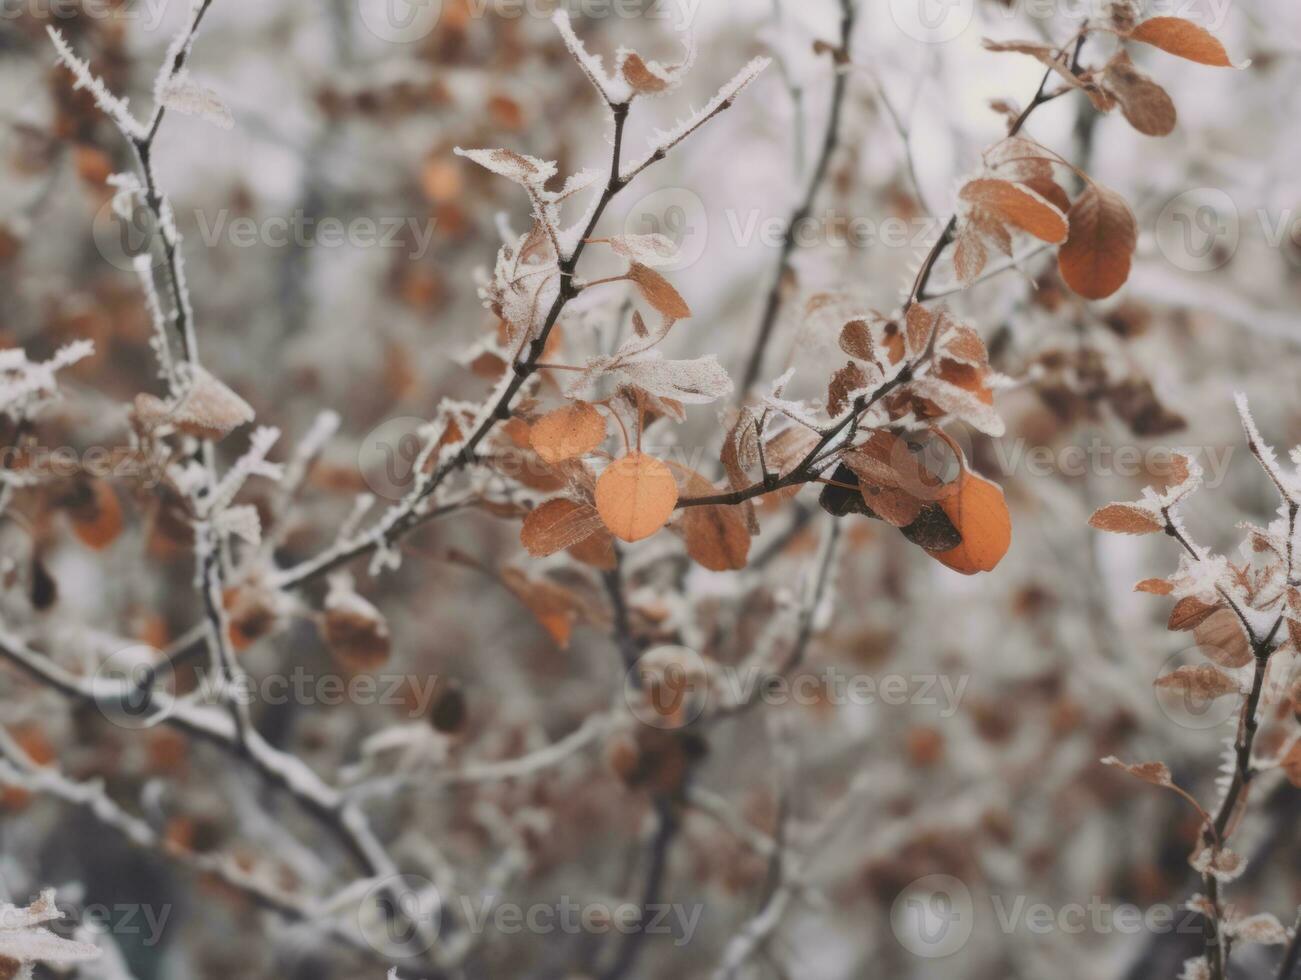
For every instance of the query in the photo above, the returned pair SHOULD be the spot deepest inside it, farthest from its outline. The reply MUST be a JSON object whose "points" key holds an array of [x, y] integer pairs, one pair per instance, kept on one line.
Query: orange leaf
{"points": [[1018, 206], [1188, 613], [1096, 257], [636, 496], [979, 512], [1125, 519], [558, 524], [659, 292], [574, 430], [1183, 38]]}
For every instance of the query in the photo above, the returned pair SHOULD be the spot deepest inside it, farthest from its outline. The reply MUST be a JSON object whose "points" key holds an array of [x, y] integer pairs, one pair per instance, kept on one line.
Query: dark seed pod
{"points": [[449, 711]]}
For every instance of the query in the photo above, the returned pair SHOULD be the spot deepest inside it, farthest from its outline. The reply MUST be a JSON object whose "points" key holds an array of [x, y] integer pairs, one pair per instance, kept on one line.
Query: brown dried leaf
{"points": [[1018, 206], [568, 432], [1156, 773], [1188, 613], [856, 340], [1221, 638], [641, 78], [1154, 586], [1144, 103], [1096, 258], [1126, 519], [919, 324], [844, 383], [659, 292], [970, 255], [1202, 682], [558, 524], [555, 607]]}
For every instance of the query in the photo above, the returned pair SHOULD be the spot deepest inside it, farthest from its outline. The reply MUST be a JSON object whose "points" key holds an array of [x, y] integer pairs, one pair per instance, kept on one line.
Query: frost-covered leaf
{"points": [[694, 382], [1262, 928], [182, 94], [518, 167]]}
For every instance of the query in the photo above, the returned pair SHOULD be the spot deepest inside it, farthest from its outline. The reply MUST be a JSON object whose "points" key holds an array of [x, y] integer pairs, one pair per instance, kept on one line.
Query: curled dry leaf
{"points": [[1096, 258], [659, 292], [209, 409], [1126, 519], [557, 525], [568, 432], [636, 496], [1188, 613], [1143, 102], [1182, 38], [1156, 773], [979, 512]]}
